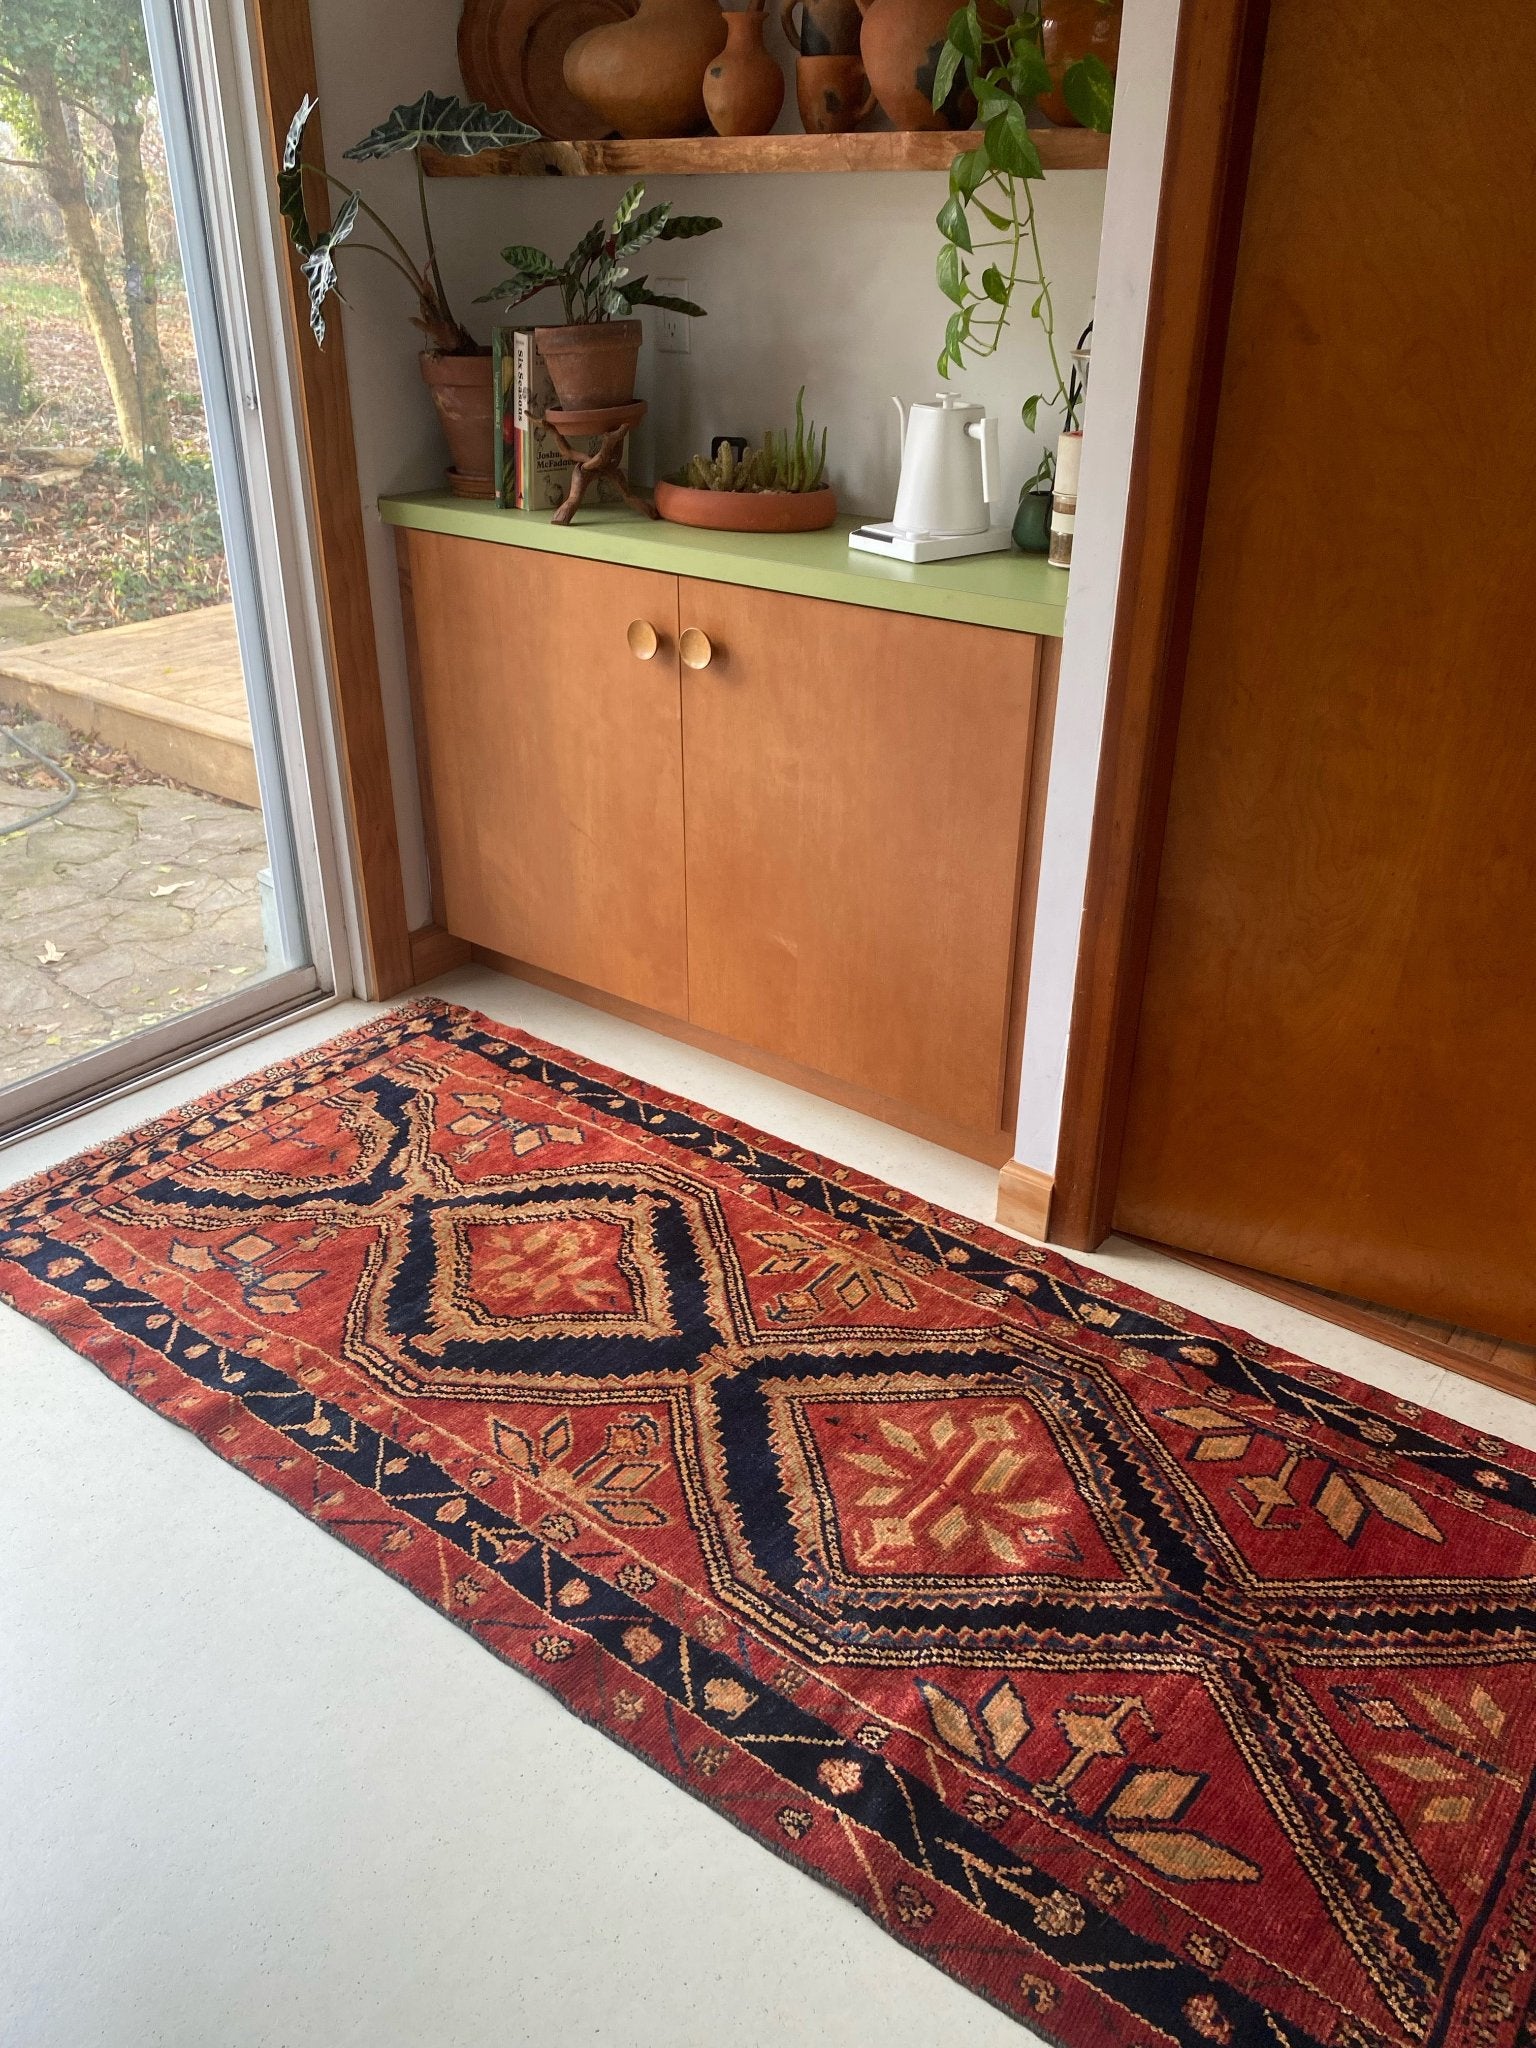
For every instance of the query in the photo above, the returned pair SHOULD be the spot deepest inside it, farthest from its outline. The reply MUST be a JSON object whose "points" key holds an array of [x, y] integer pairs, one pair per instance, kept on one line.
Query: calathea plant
{"points": [[453, 126], [594, 281], [990, 190]]}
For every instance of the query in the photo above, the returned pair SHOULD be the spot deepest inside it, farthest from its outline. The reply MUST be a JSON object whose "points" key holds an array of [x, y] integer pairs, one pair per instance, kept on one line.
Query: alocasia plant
{"points": [[438, 121]]}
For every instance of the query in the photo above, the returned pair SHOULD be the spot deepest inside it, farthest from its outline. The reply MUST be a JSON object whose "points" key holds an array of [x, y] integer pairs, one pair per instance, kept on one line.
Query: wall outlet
{"points": [[672, 328]]}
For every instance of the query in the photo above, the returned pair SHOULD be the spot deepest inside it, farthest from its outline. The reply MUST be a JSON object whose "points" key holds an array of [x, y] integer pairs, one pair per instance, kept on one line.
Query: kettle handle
{"points": [[984, 431], [902, 427]]}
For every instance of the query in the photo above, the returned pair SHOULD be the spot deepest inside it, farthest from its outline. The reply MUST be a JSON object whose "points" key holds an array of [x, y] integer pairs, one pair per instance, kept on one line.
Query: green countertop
{"points": [[1019, 593]]}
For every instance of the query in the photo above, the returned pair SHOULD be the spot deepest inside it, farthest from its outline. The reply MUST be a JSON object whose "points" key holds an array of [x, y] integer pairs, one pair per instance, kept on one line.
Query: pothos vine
{"points": [[1006, 72]]}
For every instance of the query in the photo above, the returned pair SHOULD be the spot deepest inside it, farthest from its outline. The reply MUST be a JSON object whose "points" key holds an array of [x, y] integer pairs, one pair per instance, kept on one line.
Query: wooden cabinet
{"points": [[814, 852], [554, 760], [856, 785]]}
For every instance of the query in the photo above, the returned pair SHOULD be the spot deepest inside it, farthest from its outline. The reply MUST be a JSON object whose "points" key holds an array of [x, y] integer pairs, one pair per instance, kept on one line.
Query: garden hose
{"points": [[71, 787]]}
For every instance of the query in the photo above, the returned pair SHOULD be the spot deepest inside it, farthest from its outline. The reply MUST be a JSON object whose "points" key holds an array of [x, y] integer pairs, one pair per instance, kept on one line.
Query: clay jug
{"points": [[900, 45], [645, 76], [743, 87], [826, 28], [1070, 29], [833, 94]]}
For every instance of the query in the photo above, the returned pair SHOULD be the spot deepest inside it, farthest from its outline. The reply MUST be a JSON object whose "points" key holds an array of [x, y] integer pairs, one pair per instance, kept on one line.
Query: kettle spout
{"points": [[901, 415]]}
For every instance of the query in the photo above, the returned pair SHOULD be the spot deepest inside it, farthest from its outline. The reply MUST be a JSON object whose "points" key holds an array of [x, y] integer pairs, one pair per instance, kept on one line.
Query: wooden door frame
{"points": [[285, 65], [1217, 66]]}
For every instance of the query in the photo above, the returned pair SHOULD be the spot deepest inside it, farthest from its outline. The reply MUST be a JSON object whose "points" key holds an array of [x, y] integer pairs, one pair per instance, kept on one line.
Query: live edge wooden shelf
{"points": [[1061, 149]]}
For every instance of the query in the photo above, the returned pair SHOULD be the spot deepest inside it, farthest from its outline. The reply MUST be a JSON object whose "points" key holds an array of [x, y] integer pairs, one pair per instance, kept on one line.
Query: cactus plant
{"points": [[782, 463], [797, 465]]}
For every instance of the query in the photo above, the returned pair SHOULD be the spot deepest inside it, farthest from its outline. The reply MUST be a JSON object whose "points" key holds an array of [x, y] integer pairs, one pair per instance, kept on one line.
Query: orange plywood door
{"points": [[556, 755], [857, 784], [1335, 1075]]}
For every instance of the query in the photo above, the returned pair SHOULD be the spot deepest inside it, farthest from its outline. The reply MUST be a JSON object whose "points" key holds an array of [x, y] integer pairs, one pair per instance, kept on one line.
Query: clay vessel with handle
{"points": [[743, 86], [832, 93], [645, 76], [900, 43], [826, 28]]}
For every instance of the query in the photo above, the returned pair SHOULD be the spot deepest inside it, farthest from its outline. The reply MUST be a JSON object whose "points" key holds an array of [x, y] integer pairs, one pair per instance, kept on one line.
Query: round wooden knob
{"points": [[694, 647], [642, 638]]}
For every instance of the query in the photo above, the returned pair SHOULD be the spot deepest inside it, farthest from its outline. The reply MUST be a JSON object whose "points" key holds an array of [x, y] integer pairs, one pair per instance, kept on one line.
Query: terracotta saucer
{"points": [[463, 486], [747, 511], [596, 419]]}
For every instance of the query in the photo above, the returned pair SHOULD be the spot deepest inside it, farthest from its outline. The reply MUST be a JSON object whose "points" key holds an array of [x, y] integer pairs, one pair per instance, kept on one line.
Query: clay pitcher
{"points": [[900, 44], [645, 76], [744, 87], [833, 94], [826, 28], [1070, 29]]}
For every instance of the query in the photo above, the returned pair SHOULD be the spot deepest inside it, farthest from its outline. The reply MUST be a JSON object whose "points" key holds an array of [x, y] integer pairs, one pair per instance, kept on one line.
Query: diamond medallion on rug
{"points": [[1158, 1686]]}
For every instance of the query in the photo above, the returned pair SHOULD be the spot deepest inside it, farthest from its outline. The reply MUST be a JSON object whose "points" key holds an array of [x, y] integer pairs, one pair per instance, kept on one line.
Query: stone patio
{"points": [[139, 901]]}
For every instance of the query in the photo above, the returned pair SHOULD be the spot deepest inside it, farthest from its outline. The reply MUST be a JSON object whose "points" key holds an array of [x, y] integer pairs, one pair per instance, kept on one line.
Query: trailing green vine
{"points": [[991, 239]]}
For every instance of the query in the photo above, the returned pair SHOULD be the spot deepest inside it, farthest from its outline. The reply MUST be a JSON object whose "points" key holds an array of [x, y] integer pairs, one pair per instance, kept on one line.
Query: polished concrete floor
{"points": [[255, 1795]]}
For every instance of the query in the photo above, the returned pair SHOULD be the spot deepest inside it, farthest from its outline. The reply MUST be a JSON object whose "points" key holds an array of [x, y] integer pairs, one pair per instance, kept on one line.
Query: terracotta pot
{"points": [[743, 87], [1070, 29], [900, 45], [833, 94], [645, 77], [592, 365], [461, 387], [827, 28], [747, 511]]}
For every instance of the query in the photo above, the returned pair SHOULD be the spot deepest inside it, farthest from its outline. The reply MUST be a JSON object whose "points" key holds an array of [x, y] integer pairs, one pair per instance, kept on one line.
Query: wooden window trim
{"points": [[285, 59]]}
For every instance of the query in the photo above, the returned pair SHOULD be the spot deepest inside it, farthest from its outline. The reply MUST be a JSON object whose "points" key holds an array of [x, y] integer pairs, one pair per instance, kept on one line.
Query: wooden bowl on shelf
{"points": [[747, 511]]}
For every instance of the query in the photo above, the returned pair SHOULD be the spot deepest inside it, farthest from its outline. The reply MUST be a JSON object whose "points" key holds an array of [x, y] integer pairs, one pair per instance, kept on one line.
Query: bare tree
{"points": [[61, 60]]}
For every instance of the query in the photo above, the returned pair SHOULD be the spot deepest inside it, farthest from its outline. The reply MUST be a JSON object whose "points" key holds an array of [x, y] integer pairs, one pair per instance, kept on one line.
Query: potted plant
{"points": [[592, 357], [456, 367], [778, 488], [990, 191]]}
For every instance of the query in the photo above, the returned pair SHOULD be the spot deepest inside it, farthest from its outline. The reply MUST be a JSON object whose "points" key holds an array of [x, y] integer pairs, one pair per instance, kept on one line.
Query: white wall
{"points": [[1125, 264], [826, 281]]}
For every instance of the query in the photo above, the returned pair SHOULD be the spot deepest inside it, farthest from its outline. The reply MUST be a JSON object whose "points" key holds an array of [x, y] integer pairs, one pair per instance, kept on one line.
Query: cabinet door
{"points": [[555, 761], [856, 796]]}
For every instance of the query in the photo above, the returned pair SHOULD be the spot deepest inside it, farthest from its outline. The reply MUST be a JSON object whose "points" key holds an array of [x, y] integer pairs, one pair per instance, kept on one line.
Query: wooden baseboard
{"points": [[1024, 1199], [990, 1149], [434, 952]]}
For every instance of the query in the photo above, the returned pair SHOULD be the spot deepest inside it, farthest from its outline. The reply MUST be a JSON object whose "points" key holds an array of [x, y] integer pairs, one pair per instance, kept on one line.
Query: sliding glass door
{"points": [[164, 879]]}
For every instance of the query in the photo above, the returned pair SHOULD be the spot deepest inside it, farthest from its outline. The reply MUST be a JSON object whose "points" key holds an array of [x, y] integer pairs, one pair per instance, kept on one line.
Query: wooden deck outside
{"points": [[169, 692]]}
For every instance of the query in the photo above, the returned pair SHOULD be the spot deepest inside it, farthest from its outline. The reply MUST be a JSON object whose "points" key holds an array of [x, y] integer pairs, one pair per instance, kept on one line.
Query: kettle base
{"points": [[899, 546]]}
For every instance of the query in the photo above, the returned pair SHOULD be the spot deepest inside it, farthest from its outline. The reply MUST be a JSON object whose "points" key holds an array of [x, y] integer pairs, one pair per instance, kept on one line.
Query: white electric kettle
{"points": [[948, 467], [949, 479]]}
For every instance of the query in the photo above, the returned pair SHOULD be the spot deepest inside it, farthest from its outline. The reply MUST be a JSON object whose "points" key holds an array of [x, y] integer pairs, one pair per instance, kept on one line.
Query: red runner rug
{"points": [[1159, 1687]]}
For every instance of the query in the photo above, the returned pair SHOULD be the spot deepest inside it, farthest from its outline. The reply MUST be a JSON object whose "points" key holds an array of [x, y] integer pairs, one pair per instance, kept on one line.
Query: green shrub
{"points": [[18, 395]]}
